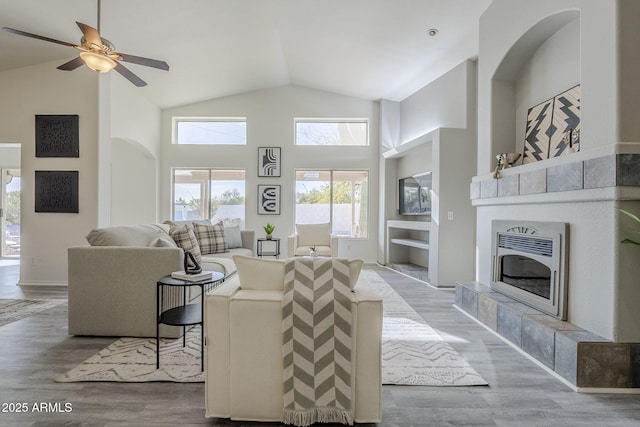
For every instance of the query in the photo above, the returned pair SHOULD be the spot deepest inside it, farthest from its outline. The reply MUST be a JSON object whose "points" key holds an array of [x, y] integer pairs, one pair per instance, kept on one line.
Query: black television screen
{"points": [[414, 195]]}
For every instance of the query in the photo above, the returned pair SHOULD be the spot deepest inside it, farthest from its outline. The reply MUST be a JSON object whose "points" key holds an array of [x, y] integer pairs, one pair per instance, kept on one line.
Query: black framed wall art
{"points": [[268, 200], [56, 191], [268, 161], [57, 136]]}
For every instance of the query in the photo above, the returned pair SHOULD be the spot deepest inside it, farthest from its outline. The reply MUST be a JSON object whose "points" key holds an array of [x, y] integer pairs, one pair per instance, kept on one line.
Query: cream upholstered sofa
{"points": [[112, 283], [316, 235], [243, 352]]}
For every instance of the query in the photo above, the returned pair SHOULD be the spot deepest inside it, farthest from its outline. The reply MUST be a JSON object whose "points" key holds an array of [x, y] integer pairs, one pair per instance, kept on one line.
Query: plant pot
{"points": [[269, 236], [313, 254]]}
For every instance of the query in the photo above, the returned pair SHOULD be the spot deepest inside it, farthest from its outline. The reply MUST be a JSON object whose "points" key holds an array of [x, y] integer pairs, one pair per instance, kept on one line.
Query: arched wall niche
{"points": [[133, 183], [507, 120]]}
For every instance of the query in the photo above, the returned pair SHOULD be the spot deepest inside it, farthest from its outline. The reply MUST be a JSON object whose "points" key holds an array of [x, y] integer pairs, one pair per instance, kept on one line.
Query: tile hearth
{"points": [[584, 359]]}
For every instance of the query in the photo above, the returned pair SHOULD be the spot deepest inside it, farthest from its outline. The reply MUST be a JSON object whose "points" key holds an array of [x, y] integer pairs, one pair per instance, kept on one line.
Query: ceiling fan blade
{"points": [[35, 36], [143, 61], [72, 65], [129, 75], [90, 34]]}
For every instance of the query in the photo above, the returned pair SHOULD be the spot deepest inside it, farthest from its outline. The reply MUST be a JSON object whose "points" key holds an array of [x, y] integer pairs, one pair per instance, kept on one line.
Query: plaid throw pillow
{"points": [[211, 238], [186, 239]]}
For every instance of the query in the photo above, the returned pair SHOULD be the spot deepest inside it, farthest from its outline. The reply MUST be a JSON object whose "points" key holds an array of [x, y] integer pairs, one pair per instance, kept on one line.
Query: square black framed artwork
{"points": [[56, 191], [268, 199], [57, 136], [269, 161]]}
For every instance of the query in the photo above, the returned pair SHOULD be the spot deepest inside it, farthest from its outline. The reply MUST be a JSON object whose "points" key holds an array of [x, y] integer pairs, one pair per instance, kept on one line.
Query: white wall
{"points": [[442, 103], [42, 89], [134, 157], [270, 123]]}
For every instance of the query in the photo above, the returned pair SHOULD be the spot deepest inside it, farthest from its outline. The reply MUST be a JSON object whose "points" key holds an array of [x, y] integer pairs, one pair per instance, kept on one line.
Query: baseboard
{"points": [[41, 283]]}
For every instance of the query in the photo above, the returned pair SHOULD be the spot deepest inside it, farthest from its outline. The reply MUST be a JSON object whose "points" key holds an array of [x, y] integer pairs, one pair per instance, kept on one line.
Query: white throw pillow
{"points": [[233, 237], [314, 234], [161, 242], [260, 274], [127, 235]]}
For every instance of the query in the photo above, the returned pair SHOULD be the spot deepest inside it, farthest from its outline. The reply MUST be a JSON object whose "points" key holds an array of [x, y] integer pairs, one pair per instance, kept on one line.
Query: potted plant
{"points": [[312, 251], [269, 230]]}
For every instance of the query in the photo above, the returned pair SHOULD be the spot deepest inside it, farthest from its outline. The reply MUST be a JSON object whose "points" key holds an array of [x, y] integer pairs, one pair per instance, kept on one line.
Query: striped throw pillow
{"points": [[211, 238], [186, 239]]}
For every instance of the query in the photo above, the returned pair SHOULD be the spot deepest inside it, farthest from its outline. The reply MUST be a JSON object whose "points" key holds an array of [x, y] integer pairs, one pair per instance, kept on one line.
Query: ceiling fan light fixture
{"points": [[98, 62]]}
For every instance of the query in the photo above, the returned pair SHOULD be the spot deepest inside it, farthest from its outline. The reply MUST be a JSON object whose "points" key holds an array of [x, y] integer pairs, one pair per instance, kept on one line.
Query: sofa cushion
{"points": [[260, 274], [162, 242], [187, 223], [211, 238], [186, 239], [314, 234], [355, 267], [233, 237], [127, 235]]}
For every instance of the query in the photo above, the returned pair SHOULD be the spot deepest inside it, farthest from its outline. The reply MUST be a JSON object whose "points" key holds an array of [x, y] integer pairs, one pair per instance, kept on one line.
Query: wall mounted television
{"points": [[414, 194]]}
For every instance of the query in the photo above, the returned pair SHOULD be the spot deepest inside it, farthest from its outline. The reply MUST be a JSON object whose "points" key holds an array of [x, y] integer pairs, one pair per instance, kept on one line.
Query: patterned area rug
{"points": [[16, 309], [134, 360], [412, 353]]}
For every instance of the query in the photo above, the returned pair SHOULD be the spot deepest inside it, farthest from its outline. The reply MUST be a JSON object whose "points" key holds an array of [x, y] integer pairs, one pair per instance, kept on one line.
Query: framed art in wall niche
{"points": [[553, 127], [268, 161], [57, 136], [268, 199], [56, 191]]}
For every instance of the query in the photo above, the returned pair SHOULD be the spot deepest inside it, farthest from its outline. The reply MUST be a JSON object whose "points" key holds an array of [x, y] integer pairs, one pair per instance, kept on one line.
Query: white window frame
{"points": [[176, 120]]}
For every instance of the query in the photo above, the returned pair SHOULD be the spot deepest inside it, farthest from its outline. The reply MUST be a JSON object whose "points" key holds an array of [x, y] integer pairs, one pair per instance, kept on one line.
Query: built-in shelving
{"points": [[414, 243], [408, 248]]}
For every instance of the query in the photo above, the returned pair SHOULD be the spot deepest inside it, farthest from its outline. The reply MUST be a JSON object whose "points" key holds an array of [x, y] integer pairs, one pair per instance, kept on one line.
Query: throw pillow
{"points": [[210, 238], [233, 237], [161, 242], [127, 235], [260, 274], [186, 239]]}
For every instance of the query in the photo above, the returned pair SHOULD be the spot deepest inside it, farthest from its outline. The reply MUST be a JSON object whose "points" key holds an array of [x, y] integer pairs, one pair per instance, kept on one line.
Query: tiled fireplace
{"points": [[584, 339]]}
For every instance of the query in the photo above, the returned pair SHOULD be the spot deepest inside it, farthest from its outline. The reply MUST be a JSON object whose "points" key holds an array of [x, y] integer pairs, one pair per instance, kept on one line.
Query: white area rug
{"points": [[412, 353], [16, 309]]}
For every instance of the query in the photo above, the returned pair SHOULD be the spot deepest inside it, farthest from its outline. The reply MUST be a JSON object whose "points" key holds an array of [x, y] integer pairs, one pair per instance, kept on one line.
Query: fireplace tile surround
{"points": [[582, 358], [601, 172]]}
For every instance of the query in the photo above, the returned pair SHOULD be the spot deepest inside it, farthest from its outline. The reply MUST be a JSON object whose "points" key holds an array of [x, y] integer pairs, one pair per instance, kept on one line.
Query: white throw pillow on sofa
{"points": [[260, 274]]}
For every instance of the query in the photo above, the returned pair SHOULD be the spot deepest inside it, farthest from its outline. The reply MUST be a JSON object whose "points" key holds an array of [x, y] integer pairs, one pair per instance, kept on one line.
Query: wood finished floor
{"points": [[36, 349]]}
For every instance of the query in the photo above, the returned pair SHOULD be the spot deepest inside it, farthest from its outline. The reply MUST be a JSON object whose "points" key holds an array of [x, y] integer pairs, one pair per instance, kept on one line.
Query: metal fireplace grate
{"points": [[527, 244]]}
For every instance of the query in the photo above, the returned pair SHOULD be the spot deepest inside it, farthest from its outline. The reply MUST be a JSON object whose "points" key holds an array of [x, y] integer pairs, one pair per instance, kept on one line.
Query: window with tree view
{"points": [[339, 197], [215, 194]]}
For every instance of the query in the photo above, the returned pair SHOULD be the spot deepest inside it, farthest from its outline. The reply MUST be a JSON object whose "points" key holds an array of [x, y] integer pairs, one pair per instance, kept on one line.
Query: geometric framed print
{"points": [[268, 161], [56, 191], [57, 136], [268, 199], [553, 127], [565, 135], [536, 137]]}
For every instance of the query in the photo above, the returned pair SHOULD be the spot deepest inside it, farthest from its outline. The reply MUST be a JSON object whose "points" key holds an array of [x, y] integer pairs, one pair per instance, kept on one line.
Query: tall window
{"points": [[339, 197], [332, 131], [210, 130], [213, 194]]}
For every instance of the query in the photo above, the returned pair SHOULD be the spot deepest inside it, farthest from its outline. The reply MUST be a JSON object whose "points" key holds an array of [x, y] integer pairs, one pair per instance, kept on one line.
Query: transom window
{"points": [[339, 197], [210, 130], [218, 195], [332, 131]]}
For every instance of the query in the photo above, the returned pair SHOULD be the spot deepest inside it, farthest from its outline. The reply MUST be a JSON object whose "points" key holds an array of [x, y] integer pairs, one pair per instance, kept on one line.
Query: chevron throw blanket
{"points": [[316, 322]]}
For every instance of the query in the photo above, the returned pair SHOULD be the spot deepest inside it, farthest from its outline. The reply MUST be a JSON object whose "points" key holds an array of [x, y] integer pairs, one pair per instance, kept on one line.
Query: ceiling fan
{"points": [[98, 53]]}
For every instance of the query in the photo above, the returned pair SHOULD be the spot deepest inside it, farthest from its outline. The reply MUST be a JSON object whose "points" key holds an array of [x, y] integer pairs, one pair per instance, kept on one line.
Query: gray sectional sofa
{"points": [[112, 282]]}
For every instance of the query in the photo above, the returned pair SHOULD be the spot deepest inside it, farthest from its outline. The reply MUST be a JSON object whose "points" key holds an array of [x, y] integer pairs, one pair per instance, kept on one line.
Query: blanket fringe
{"points": [[316, 415]]}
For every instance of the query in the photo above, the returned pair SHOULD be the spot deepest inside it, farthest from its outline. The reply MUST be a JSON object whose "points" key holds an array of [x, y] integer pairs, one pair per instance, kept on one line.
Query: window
{"points": [[332, 131], [213, 194], [339, 197], [210, 130]]}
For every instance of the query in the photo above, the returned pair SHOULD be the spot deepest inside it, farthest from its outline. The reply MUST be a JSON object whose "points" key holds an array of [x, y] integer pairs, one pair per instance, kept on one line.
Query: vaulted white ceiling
{"points": [[371, 49]]}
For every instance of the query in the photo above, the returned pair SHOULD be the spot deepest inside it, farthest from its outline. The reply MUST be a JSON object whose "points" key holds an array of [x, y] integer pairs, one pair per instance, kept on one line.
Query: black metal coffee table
{"points": [[173, 307]]}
